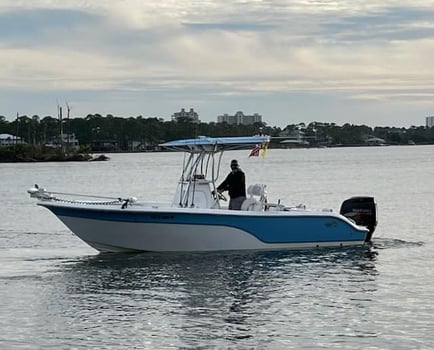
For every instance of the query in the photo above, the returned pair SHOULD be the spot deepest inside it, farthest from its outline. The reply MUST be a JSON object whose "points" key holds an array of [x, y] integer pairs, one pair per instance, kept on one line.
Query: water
{"points": [[58, 293]]}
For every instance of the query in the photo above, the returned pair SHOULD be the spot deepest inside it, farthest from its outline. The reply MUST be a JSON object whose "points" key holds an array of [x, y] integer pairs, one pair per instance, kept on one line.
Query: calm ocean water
{"points": [[58, 293]]}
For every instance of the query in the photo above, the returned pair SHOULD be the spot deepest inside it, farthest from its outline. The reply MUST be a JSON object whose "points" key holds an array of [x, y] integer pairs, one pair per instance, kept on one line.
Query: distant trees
{"points": [[416, 134], [3, 124], [348, 134], [153, 130]]}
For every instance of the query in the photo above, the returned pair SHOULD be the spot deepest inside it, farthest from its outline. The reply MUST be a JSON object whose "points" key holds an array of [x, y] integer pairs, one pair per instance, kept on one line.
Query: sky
{"points": [[359, 62]]}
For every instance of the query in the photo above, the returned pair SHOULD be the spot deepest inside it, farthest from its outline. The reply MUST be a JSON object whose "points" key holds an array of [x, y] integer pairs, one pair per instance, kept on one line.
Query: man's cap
{"points": [[234, 162]]}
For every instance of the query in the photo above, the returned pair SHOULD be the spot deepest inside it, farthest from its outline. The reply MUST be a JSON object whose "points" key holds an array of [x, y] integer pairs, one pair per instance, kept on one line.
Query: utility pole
{"points": [[69, 126], [59, 108], [16, 136]]}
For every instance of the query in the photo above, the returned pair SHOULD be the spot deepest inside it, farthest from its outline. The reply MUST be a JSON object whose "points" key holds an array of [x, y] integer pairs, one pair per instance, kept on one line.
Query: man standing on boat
{"points": [[235, 183]]}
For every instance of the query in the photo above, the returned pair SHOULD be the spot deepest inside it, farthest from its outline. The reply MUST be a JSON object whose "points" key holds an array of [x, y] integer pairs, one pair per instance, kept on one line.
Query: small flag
{"points": [[264, 150], [255, 151]]}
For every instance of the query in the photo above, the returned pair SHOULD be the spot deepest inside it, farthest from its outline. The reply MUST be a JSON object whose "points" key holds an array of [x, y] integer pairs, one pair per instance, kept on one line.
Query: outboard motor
{"points": [[363, 211]]}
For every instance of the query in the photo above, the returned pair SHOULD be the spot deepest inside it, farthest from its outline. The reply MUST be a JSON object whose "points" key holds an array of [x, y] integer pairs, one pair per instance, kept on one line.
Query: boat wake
{"points": [[393, 243]]}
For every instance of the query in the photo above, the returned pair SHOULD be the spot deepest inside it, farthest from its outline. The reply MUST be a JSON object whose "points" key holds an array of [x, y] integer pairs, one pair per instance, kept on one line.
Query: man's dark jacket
{"points": [[235, 183]]}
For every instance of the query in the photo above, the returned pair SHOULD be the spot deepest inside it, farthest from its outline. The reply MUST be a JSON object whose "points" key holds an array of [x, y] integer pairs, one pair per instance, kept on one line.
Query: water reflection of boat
{"points": [[240, 300], [196, 220], [141, 271]]}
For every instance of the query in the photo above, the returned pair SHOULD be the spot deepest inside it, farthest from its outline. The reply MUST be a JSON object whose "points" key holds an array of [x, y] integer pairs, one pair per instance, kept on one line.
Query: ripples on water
{"points": [[299, 299], [325, 298]]}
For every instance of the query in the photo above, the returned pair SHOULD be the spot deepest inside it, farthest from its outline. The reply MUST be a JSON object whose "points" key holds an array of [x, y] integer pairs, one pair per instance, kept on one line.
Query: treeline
{"points": [[153, 130]]}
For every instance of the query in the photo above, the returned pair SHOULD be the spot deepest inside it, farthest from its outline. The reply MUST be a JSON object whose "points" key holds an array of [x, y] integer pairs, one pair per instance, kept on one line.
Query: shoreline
{"points": [[36, 154], [81, 158]]}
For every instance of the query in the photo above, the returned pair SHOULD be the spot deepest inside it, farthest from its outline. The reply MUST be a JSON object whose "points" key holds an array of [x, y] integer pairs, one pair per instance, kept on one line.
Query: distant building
{"points": [[191, 114], [240, 119], [375, 141], [293, 138], [7, 140], [68, 140], [104, 146], [429, 122]]}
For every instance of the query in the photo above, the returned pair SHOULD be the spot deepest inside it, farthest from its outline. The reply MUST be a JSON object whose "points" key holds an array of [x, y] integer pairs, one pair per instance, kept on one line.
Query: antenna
{"points": [[16, 136], [69, 125], [59, 114]]}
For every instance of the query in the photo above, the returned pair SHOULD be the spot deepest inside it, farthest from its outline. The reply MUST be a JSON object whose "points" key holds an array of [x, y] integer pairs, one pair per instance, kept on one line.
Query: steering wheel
{"points": [[222, 196], [219, 195]]}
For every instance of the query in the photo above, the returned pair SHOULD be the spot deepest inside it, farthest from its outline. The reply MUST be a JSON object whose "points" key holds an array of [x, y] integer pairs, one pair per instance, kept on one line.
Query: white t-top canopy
{"points": [[215, 144]]}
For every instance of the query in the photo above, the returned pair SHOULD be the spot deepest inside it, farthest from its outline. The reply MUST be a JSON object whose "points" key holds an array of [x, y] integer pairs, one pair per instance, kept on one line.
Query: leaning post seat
{"points": [[257, 198]]}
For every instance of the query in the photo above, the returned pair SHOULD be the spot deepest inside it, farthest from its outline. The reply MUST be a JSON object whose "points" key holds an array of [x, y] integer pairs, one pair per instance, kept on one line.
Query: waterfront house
{"points": [[8, 139]]}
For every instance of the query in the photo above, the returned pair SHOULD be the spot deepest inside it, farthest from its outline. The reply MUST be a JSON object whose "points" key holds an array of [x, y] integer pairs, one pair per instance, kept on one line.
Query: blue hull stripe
{"points": [[268, 229]]}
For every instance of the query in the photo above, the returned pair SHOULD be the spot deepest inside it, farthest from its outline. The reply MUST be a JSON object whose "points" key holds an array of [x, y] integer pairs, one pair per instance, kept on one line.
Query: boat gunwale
{"points": [[223, 212]]}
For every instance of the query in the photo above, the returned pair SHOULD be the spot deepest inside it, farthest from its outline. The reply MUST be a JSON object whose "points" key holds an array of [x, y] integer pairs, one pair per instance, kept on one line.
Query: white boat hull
{"points": [[182, 230], [115, 236]]}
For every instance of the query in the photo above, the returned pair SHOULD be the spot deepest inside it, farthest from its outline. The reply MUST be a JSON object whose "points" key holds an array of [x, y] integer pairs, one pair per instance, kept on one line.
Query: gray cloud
{"points": [[397, 23], [40, 24], [230, 26]]}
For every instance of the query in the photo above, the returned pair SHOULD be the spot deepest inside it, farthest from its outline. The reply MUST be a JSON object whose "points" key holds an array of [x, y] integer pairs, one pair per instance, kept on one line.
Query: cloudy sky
{"points": [[360, 61]]}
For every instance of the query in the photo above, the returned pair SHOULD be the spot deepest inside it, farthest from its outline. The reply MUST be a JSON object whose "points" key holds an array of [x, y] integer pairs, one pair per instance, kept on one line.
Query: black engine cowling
{"points": [[363, 211]]}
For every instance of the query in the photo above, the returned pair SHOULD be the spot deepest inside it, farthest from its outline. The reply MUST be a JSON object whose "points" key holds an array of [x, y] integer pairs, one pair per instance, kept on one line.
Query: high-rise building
{"points": [[239, 118], [191, 114], [429, 122]]}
